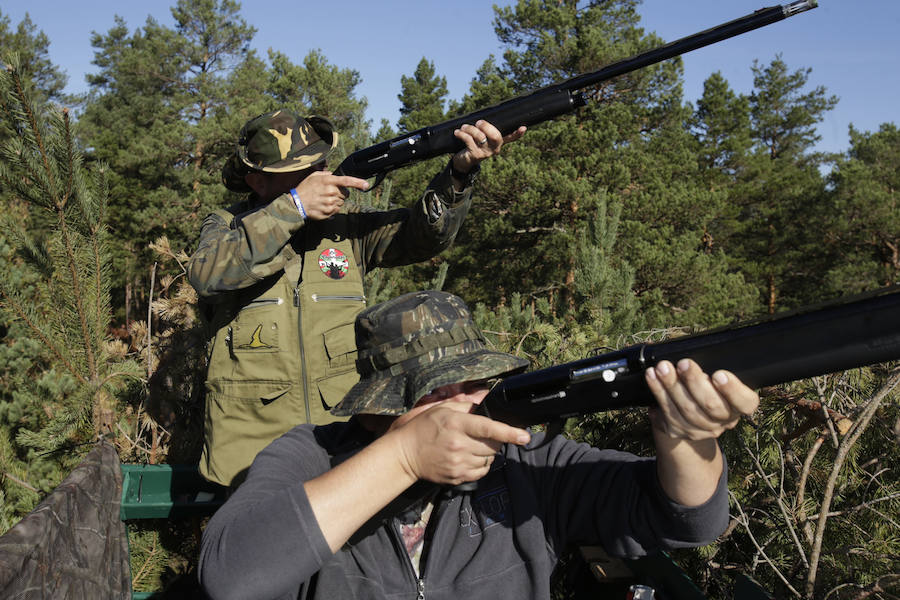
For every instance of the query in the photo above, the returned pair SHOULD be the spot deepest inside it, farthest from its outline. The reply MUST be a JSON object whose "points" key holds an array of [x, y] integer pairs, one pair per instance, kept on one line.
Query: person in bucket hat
{"points": [[414, 344], [365, 508], [280, 277]]}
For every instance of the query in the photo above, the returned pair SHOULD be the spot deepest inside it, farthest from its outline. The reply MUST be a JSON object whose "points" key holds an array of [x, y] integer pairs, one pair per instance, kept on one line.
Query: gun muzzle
{"points": [[798, 7]]}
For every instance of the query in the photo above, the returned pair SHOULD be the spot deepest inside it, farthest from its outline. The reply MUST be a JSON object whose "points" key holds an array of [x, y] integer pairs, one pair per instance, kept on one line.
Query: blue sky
{"points": [[852, 46]]}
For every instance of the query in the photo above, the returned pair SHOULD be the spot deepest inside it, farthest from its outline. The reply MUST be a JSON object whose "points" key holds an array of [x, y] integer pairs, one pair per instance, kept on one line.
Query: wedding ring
{"points": [[482, 142]]}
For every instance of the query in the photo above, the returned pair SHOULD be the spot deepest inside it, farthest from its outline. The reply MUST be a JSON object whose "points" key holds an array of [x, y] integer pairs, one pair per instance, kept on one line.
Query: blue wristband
{"points": [[298, 203]]}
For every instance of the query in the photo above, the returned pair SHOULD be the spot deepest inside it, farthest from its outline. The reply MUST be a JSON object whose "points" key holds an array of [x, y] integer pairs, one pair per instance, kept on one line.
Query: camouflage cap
{"points": [[278, 142], [414, 344]]}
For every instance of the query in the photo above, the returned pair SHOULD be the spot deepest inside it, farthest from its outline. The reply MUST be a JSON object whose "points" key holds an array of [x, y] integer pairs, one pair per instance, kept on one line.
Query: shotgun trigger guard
{"points": [[379, 177], [554, 428]]}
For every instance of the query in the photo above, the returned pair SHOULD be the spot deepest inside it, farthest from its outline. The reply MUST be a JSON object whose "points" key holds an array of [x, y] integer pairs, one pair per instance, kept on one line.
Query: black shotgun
{"points": [[544, 104], [800, 344]]}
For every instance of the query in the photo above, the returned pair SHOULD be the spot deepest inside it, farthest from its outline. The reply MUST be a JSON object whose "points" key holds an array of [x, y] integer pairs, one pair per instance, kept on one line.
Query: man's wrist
{"points": [[464, 178], [298, 203]]}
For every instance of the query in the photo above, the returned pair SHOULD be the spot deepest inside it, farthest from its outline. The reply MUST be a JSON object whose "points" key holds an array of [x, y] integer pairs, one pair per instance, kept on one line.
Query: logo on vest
{"points": [[334, 263], [256, 342]]}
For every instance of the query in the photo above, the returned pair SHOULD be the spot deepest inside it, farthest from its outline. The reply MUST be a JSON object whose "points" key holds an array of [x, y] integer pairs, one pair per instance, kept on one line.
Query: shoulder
{"points": [[317, 447], [296, 455]]}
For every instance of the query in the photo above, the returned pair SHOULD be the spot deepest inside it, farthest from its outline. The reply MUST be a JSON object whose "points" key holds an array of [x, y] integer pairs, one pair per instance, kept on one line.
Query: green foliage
{"points": [[814, 505], [422, 103], [54, 296], [42, 79], [422, 98], [771, 229], [157, 116], [635, 217], [862, 214]]}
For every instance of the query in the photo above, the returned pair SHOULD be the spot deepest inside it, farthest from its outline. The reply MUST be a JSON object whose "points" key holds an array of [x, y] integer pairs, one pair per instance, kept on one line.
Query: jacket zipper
{"points": [[302, 353], [323, 298], [421, 589], [440, 505], [401, 548]]}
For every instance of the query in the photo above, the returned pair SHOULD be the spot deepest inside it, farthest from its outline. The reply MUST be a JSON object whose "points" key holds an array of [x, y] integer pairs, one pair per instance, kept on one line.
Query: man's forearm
{"points": [[350, 494], [688, 471]]}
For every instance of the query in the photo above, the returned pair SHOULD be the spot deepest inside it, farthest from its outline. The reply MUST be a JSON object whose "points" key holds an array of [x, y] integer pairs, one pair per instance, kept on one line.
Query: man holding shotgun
{"points": [[280, 275], [365, 509]]}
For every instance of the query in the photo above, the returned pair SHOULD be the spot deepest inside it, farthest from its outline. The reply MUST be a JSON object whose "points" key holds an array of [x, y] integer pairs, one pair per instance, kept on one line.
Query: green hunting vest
{"points": [[283, 351]]}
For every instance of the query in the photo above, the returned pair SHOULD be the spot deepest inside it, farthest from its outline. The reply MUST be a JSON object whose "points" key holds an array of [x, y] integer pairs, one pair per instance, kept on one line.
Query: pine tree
{"points": [[777, 236], [422, 104], [323, 89], [535, 198], [162, 112], [721, 124], [42, 78], [55, 290], [862, 214], [422, 99], [628, 147]]}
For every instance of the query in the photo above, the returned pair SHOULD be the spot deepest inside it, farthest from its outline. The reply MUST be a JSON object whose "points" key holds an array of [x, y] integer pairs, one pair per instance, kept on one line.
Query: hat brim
{"points": [[396, 395]]}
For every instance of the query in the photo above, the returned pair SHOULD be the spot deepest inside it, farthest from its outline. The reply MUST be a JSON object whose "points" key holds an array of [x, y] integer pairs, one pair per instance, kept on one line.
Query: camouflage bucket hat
{"points": [[278, 142], [414, 344]]}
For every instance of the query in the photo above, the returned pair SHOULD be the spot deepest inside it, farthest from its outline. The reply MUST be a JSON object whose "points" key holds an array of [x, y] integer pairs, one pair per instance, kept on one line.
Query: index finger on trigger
{"points": [[349, 182], [501, 432]]}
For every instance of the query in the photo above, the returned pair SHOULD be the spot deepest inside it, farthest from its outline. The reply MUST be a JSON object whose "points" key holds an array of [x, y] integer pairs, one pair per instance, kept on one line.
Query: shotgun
{"points": [[849, 333], [544, 104]]}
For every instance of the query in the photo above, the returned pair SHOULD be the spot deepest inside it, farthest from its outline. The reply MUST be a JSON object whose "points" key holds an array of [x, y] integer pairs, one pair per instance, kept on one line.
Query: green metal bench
{"points": [[166, 492]]}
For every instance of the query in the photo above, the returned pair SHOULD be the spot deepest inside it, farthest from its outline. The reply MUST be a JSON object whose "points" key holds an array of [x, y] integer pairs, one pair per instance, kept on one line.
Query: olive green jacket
{"points": [[281, 295]]}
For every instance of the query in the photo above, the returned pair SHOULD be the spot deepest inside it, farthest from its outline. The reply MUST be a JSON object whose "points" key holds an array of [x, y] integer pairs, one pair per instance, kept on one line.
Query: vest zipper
{"points": [[262, 302], [323, 298], [302, 353]]}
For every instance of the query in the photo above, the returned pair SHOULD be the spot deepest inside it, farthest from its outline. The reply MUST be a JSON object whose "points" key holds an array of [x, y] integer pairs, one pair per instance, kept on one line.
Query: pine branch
{"points": [[78, 293], [843, 452], [779, 498], [17, 308], [24, 484], [745, 521]]}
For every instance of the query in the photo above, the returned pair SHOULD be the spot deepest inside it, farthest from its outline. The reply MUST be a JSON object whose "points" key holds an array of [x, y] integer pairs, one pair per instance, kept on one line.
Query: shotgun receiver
{"points": [[796, 345], [544, 104]]}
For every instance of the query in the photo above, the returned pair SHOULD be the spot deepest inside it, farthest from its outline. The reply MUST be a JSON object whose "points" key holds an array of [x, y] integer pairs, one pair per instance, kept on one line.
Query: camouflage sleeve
{"points": [[254, 245], [406, 236]]}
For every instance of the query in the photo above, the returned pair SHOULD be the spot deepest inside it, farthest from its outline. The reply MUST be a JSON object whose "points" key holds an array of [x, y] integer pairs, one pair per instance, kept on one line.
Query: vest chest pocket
{"points": [[258, 329]]}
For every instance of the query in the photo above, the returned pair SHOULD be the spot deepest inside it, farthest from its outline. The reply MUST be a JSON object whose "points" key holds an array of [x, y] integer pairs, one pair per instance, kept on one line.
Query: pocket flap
{"points": [[333, 389], [274, 394], [340, 340], [248, 391]]}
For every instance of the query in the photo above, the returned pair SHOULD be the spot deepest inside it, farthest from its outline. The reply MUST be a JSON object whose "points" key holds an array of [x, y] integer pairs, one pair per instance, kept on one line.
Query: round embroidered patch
{"points": [[334, 263]]}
